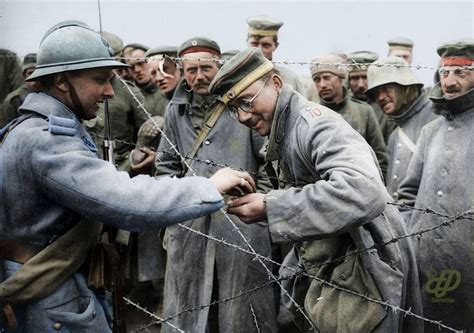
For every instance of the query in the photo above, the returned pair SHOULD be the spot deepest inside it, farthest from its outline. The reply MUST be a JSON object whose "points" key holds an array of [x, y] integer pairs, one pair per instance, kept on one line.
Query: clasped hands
{"points": [[244, 202]]}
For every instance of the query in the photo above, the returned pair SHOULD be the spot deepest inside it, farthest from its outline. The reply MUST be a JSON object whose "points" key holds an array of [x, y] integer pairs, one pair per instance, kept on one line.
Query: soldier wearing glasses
{"points": [[333, 202], [198, 270]]}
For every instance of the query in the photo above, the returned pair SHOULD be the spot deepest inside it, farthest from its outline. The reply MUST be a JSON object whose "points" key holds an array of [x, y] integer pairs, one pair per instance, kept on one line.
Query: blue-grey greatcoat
{"points": [[362, 118], [440, 178], [197, 265], [334, 203], [50, 176], [401, 144]]}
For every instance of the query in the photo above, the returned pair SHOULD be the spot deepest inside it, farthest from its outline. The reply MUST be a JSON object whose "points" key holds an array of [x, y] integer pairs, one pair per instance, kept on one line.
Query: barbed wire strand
{"points": [[227, 217], [223, 300], [385, 304], [352, 253], [251, 252], [254, 316], [304, 270], [362, 65], [151, 314]]}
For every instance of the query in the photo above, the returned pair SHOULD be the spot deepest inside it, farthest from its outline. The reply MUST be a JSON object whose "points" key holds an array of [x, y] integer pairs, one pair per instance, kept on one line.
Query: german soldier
{"points": [[334, 202]]}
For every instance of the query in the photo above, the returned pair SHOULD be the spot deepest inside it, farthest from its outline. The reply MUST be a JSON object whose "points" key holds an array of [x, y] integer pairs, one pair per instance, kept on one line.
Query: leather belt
{"points": [[15, 251]]}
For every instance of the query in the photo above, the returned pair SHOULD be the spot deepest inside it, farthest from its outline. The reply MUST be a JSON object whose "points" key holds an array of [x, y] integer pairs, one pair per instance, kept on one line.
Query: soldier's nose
{"points": [[243, 116], [109, 91]]}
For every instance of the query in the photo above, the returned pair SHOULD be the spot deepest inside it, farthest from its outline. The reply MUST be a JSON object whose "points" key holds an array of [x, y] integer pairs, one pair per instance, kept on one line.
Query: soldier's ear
{"points": [[277, 81], [61, 82]]}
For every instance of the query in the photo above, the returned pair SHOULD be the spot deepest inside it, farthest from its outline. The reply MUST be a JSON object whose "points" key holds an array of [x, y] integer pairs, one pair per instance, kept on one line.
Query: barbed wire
{"points": [[227, 217], [304, 271], [385, 304], [339, 65], [149, 313], [223, 300], [258, 175], [261, 258]]}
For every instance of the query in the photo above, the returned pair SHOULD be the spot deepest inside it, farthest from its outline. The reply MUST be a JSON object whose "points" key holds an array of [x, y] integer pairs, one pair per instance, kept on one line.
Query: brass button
{"points": [[57, 326]]}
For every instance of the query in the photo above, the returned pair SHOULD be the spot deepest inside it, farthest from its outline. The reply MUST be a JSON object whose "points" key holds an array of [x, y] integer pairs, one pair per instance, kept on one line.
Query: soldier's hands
{"points": [[249, 208], [226, 180], [147, 163]]}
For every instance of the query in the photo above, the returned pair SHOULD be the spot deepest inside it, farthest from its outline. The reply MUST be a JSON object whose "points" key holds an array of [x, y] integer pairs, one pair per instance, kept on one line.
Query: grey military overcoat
{"points": [[195, 263], [362, 118], [440, 178], [402, 141], [334, 203]]}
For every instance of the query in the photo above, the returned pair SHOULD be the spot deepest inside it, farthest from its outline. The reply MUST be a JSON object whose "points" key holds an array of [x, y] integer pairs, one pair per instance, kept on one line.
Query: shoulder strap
{"points": [[211, 121], [406, 140]]}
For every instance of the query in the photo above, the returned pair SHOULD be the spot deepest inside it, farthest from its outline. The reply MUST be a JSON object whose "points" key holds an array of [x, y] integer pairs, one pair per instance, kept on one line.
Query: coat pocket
{"points": [[79, 313], [334, 310]]}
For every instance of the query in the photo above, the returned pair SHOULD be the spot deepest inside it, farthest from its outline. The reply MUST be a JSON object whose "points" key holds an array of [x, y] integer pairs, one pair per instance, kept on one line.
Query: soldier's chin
{"points": [[201, 89]]}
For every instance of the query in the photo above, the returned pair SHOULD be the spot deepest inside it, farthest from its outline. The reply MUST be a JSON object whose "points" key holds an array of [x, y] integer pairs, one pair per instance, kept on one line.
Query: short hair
{"points": [[275, 38]]}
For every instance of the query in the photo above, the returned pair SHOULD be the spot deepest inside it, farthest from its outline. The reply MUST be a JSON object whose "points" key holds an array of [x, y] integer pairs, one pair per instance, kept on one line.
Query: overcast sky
{"points": [[310, 27]]}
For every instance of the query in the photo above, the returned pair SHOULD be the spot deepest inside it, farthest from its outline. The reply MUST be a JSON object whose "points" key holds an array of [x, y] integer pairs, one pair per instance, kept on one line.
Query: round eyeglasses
{"points": [[244, 105]]}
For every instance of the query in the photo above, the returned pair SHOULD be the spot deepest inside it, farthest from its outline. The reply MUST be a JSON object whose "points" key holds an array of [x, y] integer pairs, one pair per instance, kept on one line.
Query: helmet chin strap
{"points": [[76, 102]]}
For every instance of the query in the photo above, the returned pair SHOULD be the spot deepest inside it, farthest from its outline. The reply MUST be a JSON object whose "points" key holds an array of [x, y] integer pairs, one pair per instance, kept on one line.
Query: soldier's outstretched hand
{"points": [[228, 180], [249, 208]]}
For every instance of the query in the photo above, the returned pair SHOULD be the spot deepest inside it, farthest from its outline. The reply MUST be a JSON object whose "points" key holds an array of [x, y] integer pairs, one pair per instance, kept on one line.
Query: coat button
{"points": [[395, 195], [397, 161], [450, 128], [207, 161], [395, 177], [440, 193], [57, 326], [399, 145], [207, 142]]}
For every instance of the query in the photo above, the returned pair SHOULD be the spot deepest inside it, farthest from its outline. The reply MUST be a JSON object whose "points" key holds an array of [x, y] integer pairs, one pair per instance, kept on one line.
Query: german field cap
{"points": [[237, 74], [114, 41], [263, 26], [359, 60], [400, 43], [390, 70], [170, 51], [330, 62], [199, 44], [29, 61], [457, 53]]}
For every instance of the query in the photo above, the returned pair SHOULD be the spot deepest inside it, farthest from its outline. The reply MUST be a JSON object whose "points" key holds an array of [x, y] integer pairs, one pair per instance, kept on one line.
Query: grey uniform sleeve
{"points": [[349, 193], [72, 176]]}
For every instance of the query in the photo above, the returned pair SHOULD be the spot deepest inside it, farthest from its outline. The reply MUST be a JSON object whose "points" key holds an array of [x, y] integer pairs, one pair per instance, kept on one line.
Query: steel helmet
{"points": [[390, 70], [70, 46]]}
